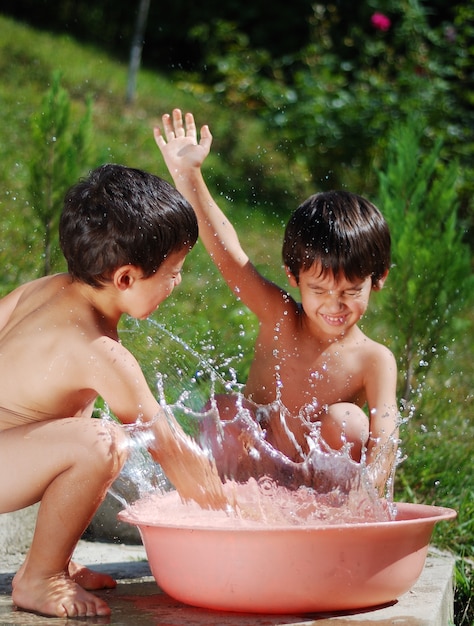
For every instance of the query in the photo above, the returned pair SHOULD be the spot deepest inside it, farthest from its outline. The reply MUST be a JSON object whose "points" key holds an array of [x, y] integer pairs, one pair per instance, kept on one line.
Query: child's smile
{"points": [[333, 304]]}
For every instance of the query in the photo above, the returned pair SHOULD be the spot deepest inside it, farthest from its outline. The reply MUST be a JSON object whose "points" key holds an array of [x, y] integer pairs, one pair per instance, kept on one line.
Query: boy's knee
{"points": [[226, 405], [111, 446], [346, 422]]}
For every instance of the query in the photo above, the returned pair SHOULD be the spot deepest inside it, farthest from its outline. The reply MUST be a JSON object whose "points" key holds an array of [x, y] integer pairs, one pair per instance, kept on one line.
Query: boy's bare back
{"points": [[55, 348], [42, 342]]}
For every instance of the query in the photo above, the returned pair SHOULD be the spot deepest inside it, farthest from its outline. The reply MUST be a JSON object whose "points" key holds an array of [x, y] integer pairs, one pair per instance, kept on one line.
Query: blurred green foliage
{"points": [[431, 282], [330, 104], [60, 152]]}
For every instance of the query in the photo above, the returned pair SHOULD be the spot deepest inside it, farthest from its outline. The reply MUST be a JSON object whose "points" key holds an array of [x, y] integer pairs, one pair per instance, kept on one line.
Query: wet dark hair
{"points": [[119, 216], [346, 233]]}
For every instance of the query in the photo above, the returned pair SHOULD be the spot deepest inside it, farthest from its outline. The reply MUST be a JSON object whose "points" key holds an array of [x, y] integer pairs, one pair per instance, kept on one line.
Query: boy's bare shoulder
{"points": [[68, 339], [376, 354], [9, 303], [61, 324], [280, 310]]}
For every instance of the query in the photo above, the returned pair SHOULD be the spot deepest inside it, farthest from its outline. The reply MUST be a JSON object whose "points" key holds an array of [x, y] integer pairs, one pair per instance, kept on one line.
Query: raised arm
{"points": [[184, 156]]}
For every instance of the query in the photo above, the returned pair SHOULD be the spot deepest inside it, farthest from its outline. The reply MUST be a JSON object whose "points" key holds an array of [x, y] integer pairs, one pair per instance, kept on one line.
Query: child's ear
{"points": [[381, 282], [291, 277], [125, 276]]}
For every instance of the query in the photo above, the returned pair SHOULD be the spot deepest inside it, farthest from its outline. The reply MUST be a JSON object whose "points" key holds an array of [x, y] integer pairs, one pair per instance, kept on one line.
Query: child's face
{"points": [[332, 304], [150, 292]]}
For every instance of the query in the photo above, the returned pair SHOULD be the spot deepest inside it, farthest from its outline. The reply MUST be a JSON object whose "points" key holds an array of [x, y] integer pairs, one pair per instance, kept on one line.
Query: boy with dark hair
{"points": [[313, 366], [125, 234]]}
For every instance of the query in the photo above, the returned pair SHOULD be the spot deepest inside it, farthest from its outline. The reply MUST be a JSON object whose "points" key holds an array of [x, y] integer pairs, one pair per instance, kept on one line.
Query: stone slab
{"points": [[16, 532]]}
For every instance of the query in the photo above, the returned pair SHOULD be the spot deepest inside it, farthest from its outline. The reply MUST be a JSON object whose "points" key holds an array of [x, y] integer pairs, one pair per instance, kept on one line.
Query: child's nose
{"points": [[335, 300]]}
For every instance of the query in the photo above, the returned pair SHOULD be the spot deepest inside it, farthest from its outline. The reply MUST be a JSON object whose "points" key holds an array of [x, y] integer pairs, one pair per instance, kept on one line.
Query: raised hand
{"points": [[179, 142]]}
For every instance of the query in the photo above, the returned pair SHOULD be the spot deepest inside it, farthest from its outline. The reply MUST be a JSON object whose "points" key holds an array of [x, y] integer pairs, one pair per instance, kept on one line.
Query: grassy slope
{"points": [[122, 134], [438, 443]]}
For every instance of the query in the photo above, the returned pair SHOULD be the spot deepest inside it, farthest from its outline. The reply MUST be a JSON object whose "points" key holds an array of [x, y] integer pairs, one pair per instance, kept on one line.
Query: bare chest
{"points": [[302, 373]]}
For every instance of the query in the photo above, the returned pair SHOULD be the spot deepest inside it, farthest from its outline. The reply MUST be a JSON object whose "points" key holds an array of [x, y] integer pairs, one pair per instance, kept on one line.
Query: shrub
{"points": [[431, 281]]}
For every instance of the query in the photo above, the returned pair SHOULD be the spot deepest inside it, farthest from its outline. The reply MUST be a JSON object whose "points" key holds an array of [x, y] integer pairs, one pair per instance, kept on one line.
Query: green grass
{"points": [[438, 441]]}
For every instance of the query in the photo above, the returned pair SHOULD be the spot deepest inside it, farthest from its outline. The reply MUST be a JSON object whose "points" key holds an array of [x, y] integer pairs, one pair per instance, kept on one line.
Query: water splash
{"points": [[325, 486]]}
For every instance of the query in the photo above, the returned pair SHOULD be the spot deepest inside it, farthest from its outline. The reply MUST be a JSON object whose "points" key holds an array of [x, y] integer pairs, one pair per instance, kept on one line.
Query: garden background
{"points": [[377, 98]]}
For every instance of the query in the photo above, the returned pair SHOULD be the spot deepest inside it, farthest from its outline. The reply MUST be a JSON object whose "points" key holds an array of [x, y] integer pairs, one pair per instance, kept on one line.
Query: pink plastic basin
{"points": [[292, 569]]}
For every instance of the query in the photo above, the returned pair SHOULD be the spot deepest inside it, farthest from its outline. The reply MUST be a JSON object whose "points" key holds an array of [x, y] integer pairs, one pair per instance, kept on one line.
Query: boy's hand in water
{"points": [[187, 466], [181, 150]]}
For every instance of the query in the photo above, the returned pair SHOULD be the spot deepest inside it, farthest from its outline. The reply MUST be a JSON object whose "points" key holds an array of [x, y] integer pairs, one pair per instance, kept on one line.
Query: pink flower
{"points": [[380, 21]]}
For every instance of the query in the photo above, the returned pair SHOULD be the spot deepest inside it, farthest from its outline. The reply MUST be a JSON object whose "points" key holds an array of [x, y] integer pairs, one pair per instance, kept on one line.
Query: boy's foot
{"points": [[57, 596], [90, 579], [82, 575]]}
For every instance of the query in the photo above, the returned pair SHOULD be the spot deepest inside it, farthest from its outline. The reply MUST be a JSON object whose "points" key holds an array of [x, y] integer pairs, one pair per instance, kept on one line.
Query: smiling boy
{"points": [[312, 362]]}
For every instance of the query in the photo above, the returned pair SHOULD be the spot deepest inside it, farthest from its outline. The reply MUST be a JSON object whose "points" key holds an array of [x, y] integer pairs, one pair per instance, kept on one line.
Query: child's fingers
{"points": [[159, 139], [190, 125], [206, 138], [178, 123], [168, 126], [175, 127]]}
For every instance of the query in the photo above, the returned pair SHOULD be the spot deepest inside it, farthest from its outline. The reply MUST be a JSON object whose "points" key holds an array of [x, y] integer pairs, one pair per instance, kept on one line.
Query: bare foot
{"points": [[80, 574], [89, 579], [58, 596]]}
